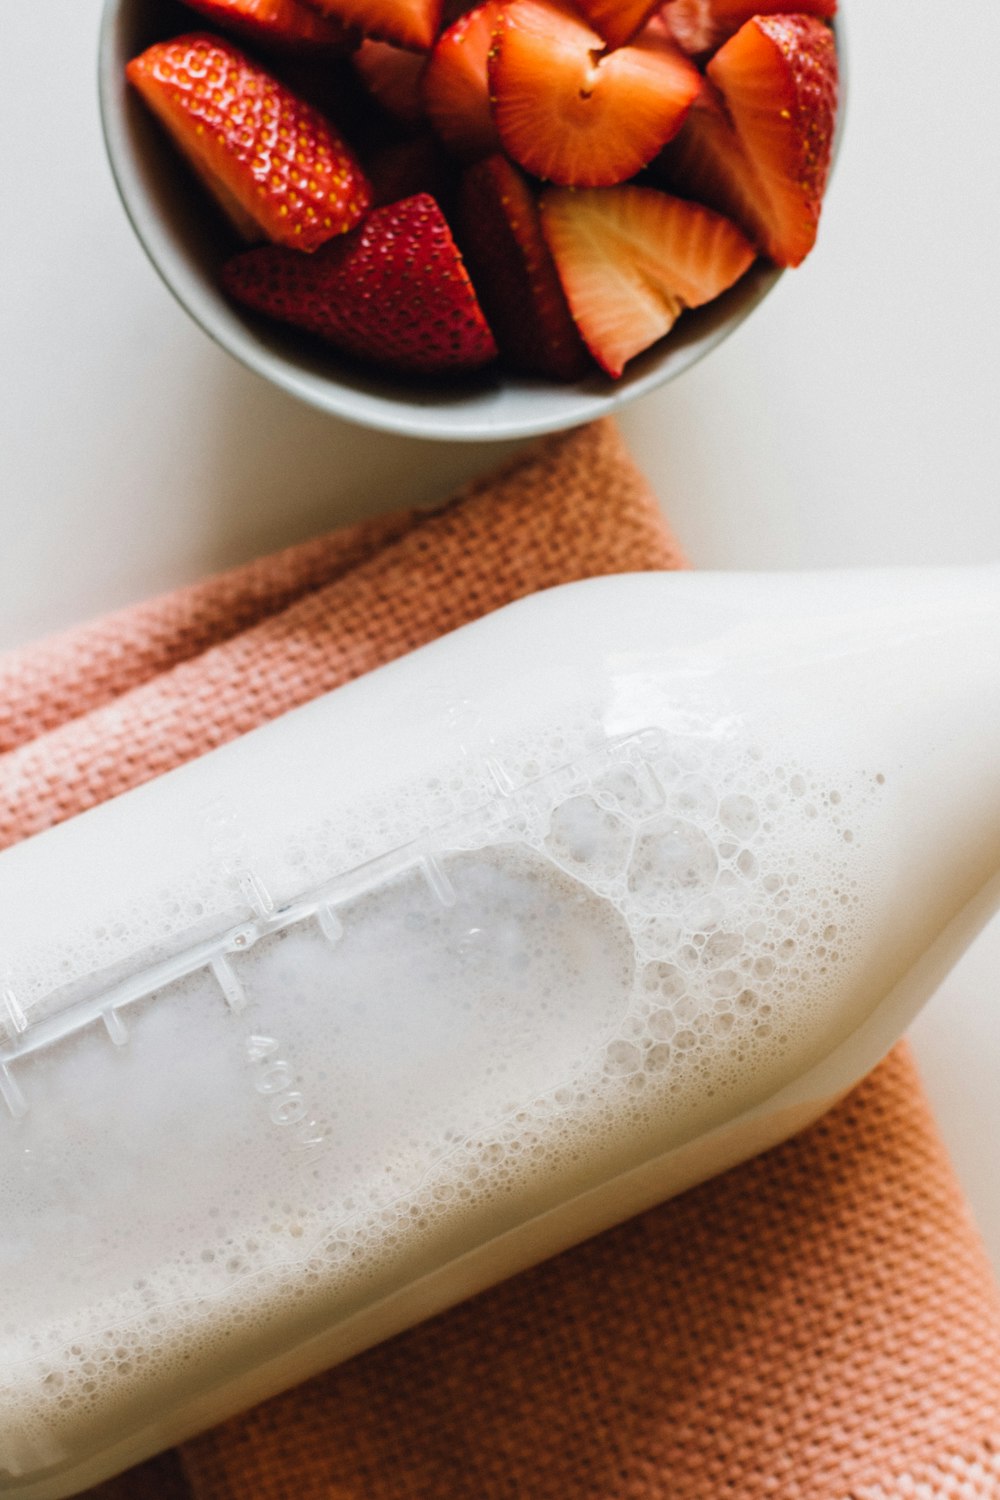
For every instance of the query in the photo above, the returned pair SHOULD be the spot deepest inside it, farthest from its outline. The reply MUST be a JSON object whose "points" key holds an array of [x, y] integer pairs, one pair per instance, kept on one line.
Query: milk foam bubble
{"points": [[637, 936]]}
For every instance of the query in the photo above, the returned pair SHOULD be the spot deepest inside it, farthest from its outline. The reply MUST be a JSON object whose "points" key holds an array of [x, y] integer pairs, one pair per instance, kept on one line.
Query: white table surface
{"points": [[852, 420]]}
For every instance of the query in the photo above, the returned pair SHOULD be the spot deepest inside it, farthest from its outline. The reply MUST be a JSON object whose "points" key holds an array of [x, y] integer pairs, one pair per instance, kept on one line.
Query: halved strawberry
{"points": [[408, 23], [700, 26], [778, 79], [618, 21], [569, 110], [284, 25], [274, 164], [456, 87], [631, 259], [705, 161], [394, 292], [512, 270], [392, 76]]}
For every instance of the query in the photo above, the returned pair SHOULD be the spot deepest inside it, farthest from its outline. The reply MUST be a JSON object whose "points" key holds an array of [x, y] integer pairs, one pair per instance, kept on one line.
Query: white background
{"points": [[852, 420]]}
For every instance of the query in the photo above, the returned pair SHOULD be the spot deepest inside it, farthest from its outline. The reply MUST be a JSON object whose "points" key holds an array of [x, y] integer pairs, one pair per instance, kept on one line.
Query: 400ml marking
{"points": [[273, 1078]]}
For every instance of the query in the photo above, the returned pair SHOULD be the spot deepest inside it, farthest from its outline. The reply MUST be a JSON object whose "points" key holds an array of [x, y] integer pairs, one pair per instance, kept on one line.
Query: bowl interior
{"points": [[187, 240]]}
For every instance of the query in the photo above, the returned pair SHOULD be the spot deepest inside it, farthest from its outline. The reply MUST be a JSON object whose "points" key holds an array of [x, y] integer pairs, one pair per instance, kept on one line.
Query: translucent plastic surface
{"points": [[459, 964]]}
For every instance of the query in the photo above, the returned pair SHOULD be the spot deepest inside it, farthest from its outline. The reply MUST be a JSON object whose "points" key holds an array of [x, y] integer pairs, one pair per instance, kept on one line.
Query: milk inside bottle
{"points": [[460, 964]]}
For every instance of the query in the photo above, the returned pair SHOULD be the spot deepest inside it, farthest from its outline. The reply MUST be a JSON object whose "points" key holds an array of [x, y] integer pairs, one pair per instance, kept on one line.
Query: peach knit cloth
{"points": [[818, 1324]]}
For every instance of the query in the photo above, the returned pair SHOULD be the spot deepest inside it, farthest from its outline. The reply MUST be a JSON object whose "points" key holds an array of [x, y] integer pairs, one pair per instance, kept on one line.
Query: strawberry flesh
{"points": [[407, 23], [392, 77], [274, 164], [618, 21], [572, 112], [283, 25], [395, 292], [700, 26], [514, 274], [456, 86], [705, 161], [631, 259], [778, 80]]}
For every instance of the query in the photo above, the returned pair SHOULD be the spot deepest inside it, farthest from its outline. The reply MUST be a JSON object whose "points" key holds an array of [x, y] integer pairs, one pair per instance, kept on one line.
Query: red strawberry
{"points": [[408, 23], [700, 26], [392, 76], [514, 274], [275, 165], [282, 24], [569, 110], [395, 292], [618, 21], [631, 259], [456, 87], [705, 161], [778, 79]]}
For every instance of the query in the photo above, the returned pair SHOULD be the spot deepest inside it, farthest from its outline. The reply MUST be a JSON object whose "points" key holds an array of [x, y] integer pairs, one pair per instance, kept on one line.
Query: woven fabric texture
{"points": [[819, 1324], [814, 1322], [175, 680]]}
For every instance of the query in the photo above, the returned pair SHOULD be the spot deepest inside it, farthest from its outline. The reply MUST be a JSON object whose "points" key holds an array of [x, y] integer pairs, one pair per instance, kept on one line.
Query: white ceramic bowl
{"points": [[188, 246]]}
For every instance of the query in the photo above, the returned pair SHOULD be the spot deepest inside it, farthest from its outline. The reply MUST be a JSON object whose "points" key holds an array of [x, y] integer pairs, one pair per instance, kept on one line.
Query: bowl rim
{"points": [[406, 416]]}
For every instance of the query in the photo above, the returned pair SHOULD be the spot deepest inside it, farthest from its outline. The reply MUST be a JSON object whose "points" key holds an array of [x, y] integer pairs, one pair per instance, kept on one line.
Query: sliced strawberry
{"points": [[705, 161], [456, 87], [778, 79], [284, 25], [408, 23], [631, 259], [618, 21], [513, 272], [395, 292], [274, 164], [569, 110], [392, 76], [700, 26], [417, 165]]}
